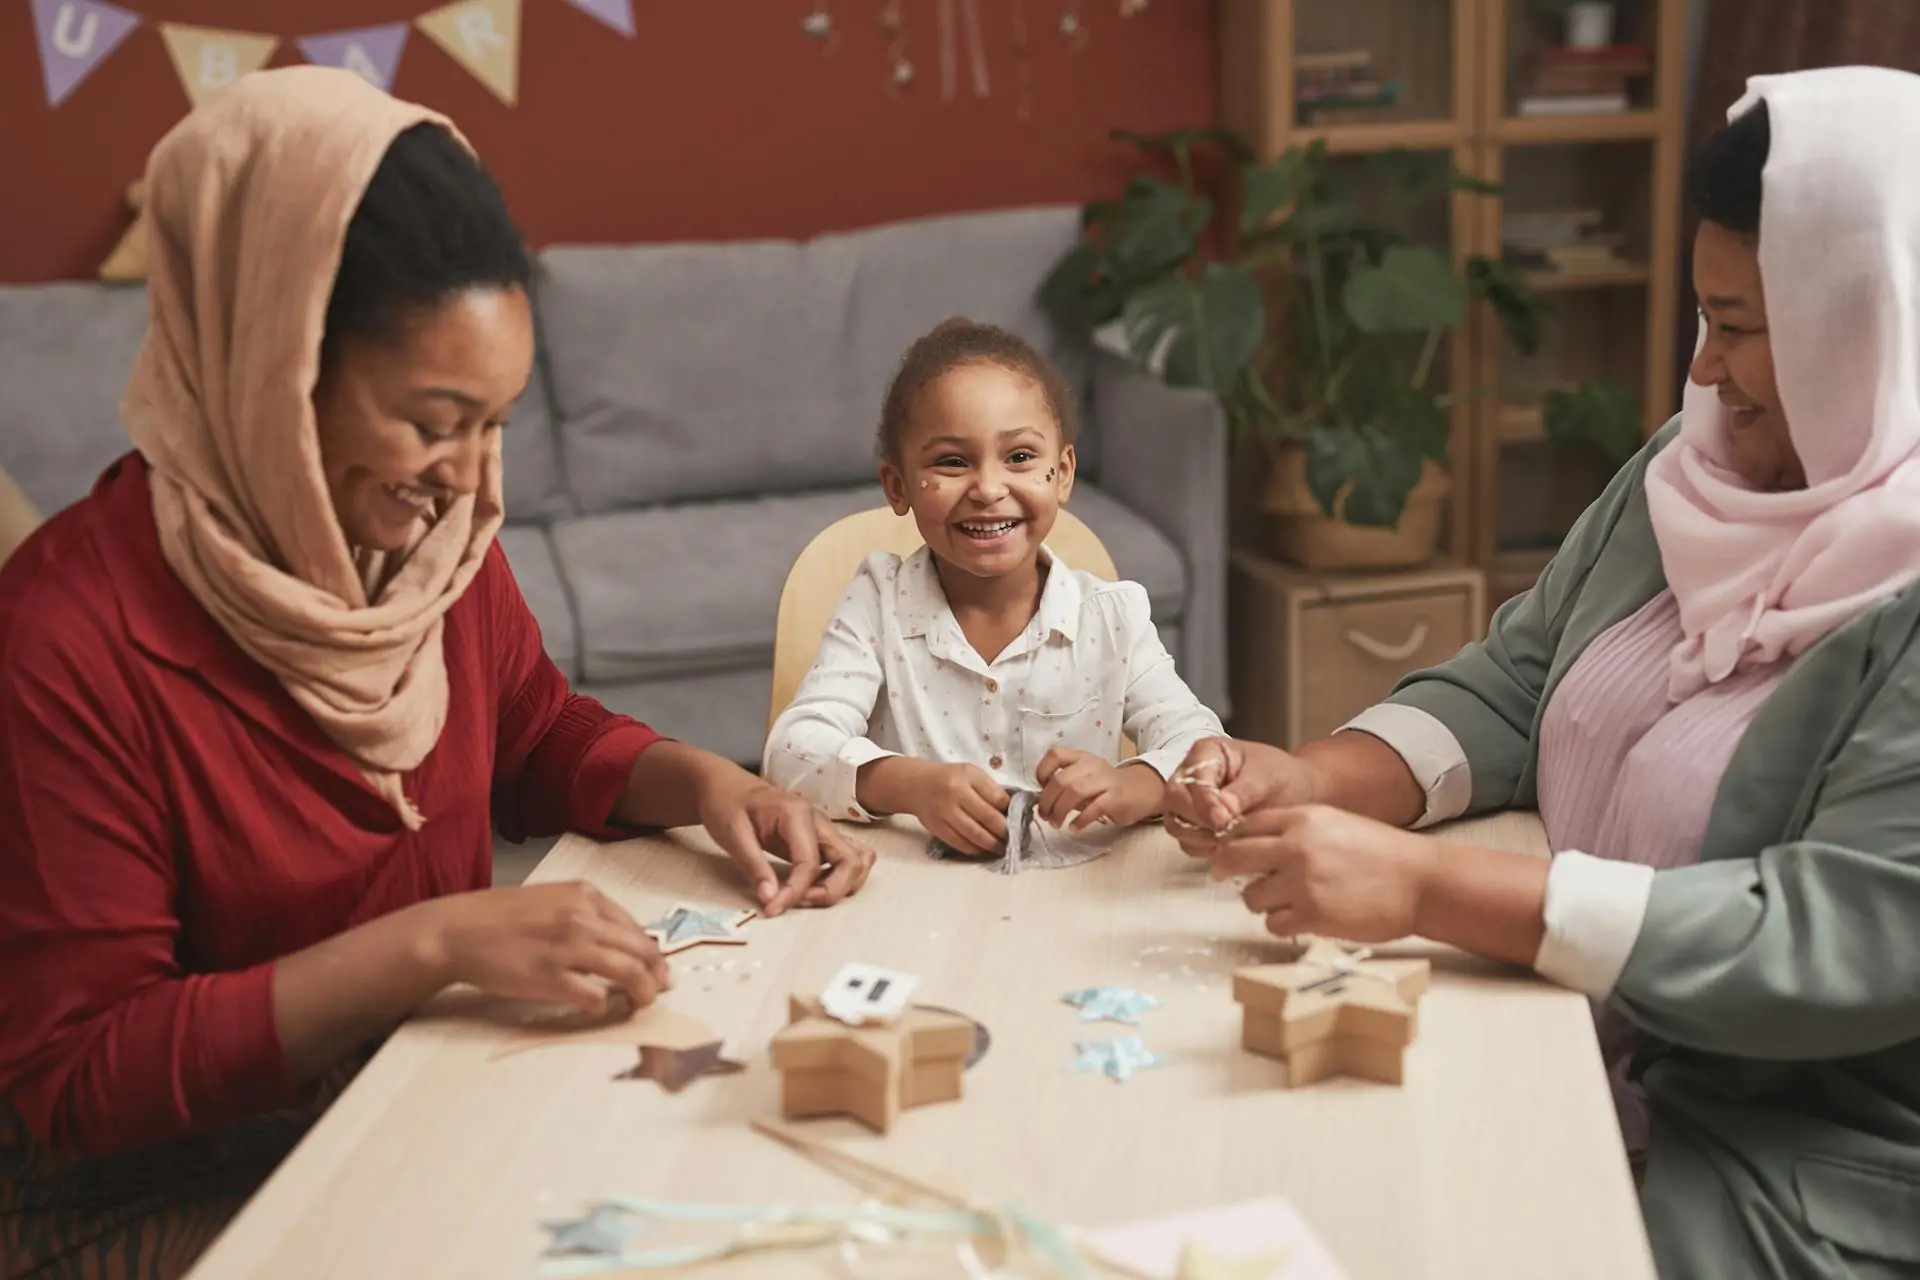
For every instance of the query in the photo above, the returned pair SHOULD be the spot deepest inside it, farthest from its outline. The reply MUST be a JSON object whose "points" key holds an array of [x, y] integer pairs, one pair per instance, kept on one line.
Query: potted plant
{"points": [[1308, 307]]}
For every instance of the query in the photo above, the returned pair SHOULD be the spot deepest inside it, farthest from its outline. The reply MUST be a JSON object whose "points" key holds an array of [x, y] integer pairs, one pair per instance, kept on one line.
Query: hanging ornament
{"points": [[1022, 64], [893, 22], [819, 25], [976, 48], [1073, 27], [949, 71]]}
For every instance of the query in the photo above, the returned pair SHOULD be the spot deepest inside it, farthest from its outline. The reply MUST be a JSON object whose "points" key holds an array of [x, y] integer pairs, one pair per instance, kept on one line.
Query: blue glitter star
{"points": [[1114, 1004], [683, 923], [603, 1233], [1118, 1059]]}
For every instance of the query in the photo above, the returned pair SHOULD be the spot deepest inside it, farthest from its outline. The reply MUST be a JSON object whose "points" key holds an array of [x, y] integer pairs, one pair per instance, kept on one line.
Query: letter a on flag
{"points": [[372, 53]]}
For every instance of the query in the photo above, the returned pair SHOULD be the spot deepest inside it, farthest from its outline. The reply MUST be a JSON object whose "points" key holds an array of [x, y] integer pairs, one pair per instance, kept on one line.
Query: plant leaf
{"points": [[1412, 290], [1602, 414], [1076, 294], [1226, 139], [1334, 456], [1153, 229], [1514, 303], [1267, 189], [1358, 475], [1414, 422], [1201, 330]]}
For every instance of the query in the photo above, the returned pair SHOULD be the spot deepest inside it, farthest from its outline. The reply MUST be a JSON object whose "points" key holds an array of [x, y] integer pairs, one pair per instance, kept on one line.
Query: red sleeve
{"points": [[105, 1043], [563, 759]]}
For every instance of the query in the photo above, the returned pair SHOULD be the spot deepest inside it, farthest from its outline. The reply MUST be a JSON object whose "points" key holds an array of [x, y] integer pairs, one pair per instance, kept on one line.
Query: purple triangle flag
{"points": [[617, 14], [75, 36], [372, 53]]}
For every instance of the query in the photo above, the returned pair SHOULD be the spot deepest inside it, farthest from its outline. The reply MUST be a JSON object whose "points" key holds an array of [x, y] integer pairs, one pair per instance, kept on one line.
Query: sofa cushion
{"points": [[696, 371], [676, 589], [683, 589], [909, 276], [530, 462], [709, 370], [66, 351], [1140, 552], [530, 555]]}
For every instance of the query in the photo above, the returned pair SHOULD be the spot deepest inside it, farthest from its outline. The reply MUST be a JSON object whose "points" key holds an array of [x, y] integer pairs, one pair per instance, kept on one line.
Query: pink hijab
{"points": [[1759, 576]]}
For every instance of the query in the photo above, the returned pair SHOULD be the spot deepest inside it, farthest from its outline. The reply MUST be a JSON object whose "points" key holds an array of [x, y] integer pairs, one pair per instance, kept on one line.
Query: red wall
{"points": [[719, 120]]}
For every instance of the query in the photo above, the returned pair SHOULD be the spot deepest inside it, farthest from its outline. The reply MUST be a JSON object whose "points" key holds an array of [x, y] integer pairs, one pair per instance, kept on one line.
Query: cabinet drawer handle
{"points": [[1389, 652]]}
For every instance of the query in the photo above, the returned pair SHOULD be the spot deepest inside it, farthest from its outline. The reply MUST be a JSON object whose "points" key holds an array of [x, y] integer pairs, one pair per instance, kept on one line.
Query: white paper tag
{"points": [[863, 993]]}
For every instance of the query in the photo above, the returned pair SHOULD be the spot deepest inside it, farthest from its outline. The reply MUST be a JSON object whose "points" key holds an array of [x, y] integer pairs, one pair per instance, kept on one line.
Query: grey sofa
{"points": [[698, 412]]}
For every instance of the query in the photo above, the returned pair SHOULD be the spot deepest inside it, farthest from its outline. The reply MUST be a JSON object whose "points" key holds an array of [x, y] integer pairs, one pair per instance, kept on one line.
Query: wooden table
{"points": [[1500, 1156]]}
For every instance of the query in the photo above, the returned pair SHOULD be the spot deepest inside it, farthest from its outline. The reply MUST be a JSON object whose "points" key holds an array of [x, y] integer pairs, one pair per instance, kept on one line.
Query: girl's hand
{"points": [[560, 943], [1325, 871], [963, 807], [1077, 781], [1224, 779], [749, 819]]}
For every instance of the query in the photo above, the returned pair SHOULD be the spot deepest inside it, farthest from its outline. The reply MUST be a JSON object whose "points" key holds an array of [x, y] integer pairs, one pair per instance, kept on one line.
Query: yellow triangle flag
{"points": [[209, 59], [484, 37]]}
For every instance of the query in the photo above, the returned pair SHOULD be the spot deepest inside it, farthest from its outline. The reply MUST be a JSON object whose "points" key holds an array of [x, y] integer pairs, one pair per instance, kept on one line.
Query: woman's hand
{"points": [[1325, 871], [749, 819], [561, 943], [1074, 781], [1223, 780]]}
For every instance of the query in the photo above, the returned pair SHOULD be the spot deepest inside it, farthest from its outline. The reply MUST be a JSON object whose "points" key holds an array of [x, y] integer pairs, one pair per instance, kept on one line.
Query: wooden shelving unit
{"points": [[1616, 322], [1433, 46], [1460, 65]]}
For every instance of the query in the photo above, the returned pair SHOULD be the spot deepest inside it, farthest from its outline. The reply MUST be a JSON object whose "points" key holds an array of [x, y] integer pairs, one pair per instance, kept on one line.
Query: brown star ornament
{"points": [[675, 1069]]}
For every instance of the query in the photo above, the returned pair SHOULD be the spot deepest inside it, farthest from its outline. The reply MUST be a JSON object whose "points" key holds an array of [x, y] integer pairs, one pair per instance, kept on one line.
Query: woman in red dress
{"points": [[267, 691]]}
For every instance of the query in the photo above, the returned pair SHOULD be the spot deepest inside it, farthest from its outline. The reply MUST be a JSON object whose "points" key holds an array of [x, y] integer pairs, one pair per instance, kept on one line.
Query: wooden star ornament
{"points": [[1333, 1012], [871, 1072], [674, 1069]]}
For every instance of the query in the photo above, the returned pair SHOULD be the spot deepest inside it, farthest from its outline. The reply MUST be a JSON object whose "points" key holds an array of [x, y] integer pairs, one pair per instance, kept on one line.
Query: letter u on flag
{"points": [[209, 59], [484, 37], [75, 37]]}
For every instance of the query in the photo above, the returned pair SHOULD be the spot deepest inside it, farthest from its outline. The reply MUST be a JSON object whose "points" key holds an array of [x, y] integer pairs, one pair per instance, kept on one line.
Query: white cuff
{"points": [[1165, 761], [1595, 907], [1431, 752], [841, 789]]}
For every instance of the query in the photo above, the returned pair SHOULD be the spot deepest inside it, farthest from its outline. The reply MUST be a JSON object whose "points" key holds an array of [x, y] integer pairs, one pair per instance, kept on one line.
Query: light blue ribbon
{"points": [[1046, 1240]]}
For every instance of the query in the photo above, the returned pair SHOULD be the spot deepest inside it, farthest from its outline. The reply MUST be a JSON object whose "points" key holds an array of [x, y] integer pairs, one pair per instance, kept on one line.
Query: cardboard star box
{"points": [[870, 1072], [1333, 1013]]}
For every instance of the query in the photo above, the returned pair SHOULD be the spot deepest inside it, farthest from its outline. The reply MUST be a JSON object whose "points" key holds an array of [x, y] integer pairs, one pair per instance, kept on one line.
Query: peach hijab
{"points": [[1761, 576], [249, 199]]}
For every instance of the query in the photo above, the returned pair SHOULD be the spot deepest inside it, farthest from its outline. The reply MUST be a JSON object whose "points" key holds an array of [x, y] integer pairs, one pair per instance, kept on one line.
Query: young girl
{"points": [[982, 664]]}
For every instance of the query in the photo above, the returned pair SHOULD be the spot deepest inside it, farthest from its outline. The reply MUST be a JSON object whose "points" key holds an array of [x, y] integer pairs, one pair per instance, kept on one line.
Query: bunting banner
{"points": [[372, 53], [75, 36], [484, 37], [210, 58], [617, 14]]}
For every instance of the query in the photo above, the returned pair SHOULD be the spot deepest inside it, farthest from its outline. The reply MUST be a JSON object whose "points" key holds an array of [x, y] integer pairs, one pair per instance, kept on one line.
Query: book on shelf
{"points": [[1341, 60], [1565, 241], [1565, 81], [1333, 117], [1587, 104], [1327, 87]]}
